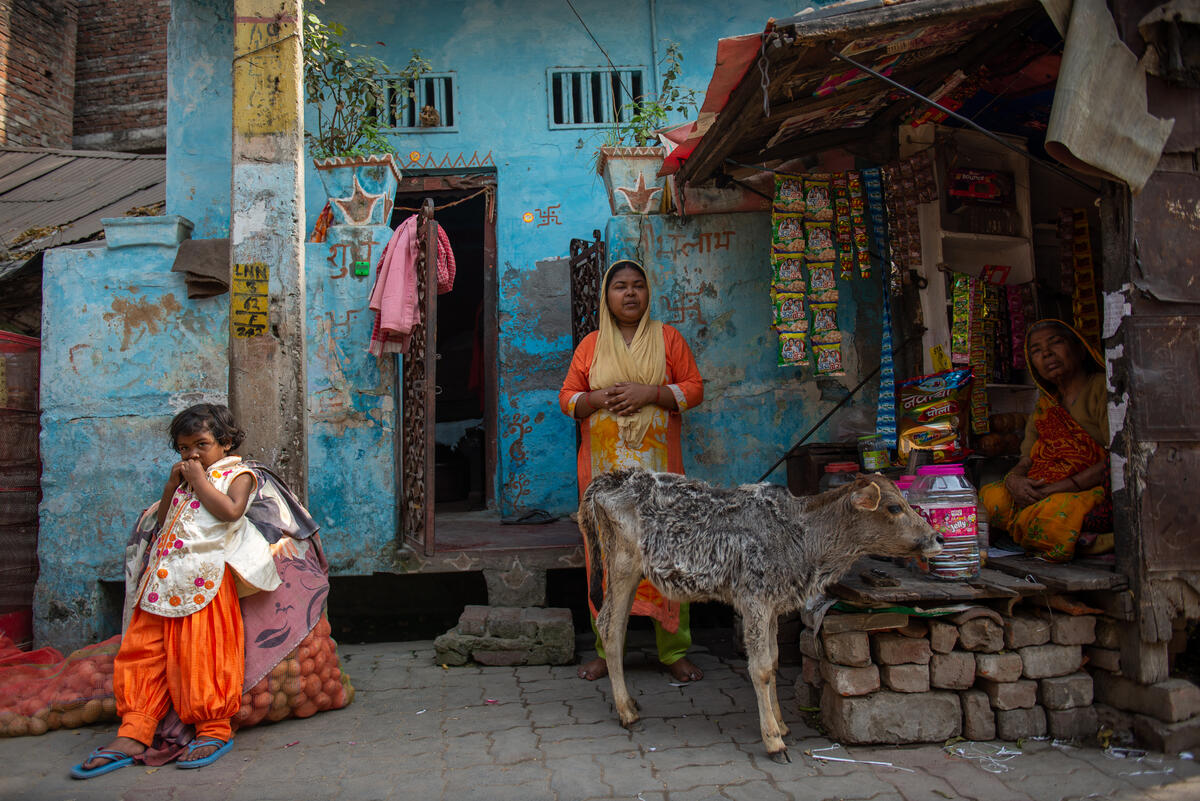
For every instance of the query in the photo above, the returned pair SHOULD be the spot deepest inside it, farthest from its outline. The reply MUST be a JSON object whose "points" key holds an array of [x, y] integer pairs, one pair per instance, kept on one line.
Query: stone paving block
{"points": [[1170, 738], [473, 620], [1108, 632], [1046, 661], [1010, 694], [1066, 692], [1017, 724], [1108, 659], [998, 667], [852, 648], [850, 680], [896, 649], [887, 717], [979, 721], [1021, 631], [942, 636], [981, 634], [1078, 723], [905, 678], [916, 628], [952, 671], [1170, 701]]}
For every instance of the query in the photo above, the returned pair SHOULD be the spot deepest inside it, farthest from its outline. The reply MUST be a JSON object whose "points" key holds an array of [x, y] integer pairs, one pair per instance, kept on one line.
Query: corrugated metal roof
{"points": [[69, 191]]}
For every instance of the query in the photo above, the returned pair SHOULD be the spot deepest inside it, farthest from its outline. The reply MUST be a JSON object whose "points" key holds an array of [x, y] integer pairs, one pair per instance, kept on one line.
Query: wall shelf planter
{"points": [[165, 231]]}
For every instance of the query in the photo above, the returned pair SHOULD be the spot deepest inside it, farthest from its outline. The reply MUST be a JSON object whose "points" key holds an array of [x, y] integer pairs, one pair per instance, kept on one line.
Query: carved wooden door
{"points": [[587, 267], [419, 397]]}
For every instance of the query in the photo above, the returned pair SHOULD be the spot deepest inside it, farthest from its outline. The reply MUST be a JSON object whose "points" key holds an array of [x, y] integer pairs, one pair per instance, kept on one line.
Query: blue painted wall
{"points": [[123, 350]]}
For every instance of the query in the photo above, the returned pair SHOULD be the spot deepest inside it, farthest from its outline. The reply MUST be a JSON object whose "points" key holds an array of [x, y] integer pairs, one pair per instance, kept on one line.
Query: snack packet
{"points": [[793, 350], [789, 192], [932, 415]]}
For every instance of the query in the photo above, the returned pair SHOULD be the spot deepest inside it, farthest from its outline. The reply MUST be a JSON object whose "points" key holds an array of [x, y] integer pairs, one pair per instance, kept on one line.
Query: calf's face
{"points": [[886, 523]]}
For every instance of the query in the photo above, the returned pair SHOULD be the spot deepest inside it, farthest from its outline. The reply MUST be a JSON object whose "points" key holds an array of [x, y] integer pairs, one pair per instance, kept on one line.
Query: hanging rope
{"points": [[438, 208]]}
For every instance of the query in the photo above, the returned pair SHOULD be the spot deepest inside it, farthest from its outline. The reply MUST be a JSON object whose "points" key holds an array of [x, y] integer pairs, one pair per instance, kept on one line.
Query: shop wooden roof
{"points": [[815, 101]]}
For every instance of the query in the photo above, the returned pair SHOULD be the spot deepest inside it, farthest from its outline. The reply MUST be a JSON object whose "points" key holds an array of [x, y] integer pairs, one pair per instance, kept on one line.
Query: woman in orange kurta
{"points": [[627, 385]]}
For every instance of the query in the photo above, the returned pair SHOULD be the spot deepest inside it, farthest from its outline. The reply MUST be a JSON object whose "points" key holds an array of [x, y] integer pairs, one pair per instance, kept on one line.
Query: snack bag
{"points": [[790, 314], [821, 276], [818, 241], [789, 192], [787, 232], [793, 350], [933, 415], [787, 272], [818, 200], [828, 359]]}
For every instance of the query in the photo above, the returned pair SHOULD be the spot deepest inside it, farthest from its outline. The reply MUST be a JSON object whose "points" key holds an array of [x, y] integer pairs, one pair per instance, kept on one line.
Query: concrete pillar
{"points": [[267, 379]]}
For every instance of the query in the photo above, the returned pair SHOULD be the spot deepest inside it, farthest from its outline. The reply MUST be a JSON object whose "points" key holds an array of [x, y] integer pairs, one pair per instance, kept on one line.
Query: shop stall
{"points": [[963, 156]]}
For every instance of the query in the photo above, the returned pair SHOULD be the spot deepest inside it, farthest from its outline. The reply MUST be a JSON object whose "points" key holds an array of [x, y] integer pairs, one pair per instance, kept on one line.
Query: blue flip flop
{"points": [[116, 761], [211, 758]]}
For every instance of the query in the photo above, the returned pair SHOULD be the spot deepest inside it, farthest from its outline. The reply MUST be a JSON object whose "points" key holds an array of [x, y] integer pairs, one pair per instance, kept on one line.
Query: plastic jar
{"points": [[904, 484], [837, 474], [944, 497], [873, 453]]}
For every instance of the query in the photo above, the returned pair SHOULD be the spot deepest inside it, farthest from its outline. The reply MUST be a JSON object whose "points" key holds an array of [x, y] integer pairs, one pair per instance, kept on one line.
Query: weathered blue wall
{"points": [[352, 409], [500, 51], [123, 350], [711, 279]]}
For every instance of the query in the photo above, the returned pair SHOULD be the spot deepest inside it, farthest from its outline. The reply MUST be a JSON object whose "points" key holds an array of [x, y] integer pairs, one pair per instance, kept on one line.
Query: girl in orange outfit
{"points": [[184, 645]]}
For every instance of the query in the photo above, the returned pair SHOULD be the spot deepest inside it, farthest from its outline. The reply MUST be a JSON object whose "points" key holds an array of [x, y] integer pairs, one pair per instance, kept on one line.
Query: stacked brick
{"points": [[37, 74], [978, 674], [121, 75], [1163, 716]]}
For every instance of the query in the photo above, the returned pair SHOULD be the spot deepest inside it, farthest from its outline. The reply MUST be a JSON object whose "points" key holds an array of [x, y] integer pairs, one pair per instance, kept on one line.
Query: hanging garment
{"points": [[394, 297]]}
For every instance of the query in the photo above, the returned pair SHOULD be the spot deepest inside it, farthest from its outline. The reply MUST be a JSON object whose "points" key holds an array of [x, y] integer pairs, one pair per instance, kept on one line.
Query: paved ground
{"points": [[422, 732]]}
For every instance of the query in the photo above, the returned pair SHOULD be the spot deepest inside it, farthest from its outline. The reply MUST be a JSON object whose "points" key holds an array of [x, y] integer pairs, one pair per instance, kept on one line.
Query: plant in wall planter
{"points": [[630, 157], [347, 89]]}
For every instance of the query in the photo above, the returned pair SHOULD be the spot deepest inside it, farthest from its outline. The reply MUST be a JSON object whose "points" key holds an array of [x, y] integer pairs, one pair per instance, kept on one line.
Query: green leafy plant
{"points": [[640, 118], [347, 88]]}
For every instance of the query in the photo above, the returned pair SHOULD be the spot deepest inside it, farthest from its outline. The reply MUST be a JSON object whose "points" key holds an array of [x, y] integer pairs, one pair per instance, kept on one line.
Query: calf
{"points": [[756, 547]]}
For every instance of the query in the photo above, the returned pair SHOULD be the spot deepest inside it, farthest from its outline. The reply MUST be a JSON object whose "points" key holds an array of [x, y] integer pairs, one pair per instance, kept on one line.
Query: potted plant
{"points": [[630, 157], [346, 87]]}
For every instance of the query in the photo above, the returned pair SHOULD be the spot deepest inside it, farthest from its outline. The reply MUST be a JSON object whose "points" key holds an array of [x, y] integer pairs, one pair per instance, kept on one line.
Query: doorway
{"points": [[462, 458]]}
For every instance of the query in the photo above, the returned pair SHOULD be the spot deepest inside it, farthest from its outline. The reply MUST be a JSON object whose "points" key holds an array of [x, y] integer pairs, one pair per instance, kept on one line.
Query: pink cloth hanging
{"points": [[394, 296]]}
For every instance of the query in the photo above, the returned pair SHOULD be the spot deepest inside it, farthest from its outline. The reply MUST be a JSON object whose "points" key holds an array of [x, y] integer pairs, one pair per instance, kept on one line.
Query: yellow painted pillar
{"points": [[267, 376]]}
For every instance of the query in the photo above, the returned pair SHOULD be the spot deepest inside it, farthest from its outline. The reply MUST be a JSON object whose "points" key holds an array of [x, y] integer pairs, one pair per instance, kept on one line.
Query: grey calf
{"points": [[756, 547]]}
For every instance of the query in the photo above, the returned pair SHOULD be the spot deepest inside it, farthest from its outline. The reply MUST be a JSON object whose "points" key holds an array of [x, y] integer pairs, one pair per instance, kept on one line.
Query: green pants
{"points": [[671, 647]]}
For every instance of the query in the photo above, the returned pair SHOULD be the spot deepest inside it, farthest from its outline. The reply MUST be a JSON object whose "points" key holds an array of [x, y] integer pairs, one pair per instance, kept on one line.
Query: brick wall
{"points": [[121, 75], [37, 71]]}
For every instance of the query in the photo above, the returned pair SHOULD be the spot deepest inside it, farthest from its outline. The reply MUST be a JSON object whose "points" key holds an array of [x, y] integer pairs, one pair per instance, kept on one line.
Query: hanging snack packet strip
{"points": [[960, 320], [885, 415], [978, 358], [793, 350], [1017, 322], [787, 272]]}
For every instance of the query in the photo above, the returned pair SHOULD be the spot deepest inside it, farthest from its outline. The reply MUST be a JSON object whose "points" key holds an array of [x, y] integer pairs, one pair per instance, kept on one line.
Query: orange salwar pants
{"points": [[196, 663]]}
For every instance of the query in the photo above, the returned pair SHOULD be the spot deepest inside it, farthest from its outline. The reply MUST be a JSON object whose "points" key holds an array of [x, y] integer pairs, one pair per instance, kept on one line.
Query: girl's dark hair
{"points": [[215, 418], [616, 267]]}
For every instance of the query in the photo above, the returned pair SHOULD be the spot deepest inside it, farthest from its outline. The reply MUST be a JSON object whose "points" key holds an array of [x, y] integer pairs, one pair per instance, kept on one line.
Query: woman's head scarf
{"points": [[643, 361], [1090, 361]]}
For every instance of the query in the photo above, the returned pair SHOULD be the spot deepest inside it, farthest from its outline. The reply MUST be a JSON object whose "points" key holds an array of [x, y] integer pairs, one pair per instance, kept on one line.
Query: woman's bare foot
{"points": [[684, 670], [126, 745], [596, 669]]}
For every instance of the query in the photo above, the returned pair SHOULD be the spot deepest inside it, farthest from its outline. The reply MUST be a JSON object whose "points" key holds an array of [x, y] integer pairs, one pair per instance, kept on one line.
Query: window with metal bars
{"points": [[429, 104], [587, 97]]}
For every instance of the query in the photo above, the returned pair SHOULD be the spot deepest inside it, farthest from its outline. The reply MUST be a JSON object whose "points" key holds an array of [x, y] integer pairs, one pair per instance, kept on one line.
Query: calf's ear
{"points": [[866, 498]]}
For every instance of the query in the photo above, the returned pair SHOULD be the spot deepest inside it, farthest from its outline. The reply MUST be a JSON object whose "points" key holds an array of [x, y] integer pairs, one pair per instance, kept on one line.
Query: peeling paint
{"points": [[1116, 416], [141, 313], [1117, 471], [1116, 309]]}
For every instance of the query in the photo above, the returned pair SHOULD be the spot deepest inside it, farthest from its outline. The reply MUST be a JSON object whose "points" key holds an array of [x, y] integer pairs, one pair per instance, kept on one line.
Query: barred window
{"points": [[583, 97], [429, 103]]}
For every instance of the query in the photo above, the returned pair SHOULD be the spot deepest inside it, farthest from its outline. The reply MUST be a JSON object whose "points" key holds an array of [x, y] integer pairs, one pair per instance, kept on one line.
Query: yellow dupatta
{"points": [[642, 361]]}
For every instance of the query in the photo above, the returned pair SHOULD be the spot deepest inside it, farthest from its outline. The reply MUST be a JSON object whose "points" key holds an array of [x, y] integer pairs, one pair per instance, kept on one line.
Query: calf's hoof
{"points": [[780, 756], [632, 725]]}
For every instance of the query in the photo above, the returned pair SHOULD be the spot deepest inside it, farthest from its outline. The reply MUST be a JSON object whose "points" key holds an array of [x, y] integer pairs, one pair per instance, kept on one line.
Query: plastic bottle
{"points": [[837, 474], [944, 497], [873, 453]]}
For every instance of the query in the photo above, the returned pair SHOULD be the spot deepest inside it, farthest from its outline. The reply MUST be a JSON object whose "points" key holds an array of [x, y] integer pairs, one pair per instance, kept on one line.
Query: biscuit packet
{"points": [[793, 350], [787, 232], [818, 241], [827, 359], [790, 312], [787, 272], [789, 193], [818, 199]]}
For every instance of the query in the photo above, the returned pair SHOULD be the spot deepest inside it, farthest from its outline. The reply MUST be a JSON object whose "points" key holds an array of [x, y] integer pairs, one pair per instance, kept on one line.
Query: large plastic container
{"points": [[837, 474], [944, 497]]}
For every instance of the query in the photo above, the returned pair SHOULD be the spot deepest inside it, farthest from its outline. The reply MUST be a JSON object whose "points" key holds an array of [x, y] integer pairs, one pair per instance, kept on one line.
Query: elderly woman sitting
{"points": [[1060, 487]]}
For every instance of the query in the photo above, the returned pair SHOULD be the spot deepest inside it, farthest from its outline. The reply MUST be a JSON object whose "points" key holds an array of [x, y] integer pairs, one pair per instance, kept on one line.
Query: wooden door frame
{"points": [[417, 184]]}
